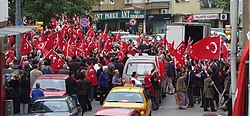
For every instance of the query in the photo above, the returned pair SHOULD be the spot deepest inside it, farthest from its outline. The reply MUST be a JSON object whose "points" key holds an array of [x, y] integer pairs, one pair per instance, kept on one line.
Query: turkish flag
{"points": [[239, 106], [21, 62], [91, 46], [121, 55], [225, 51], [131, 50], [91, 74], [104, 37], [118, 37], [25, 46], [78, 34], [139, 40], [124, 45], [160, 65], [107, 46], [179, 58], [11, 40], [170, 47], [56, 61], [40, 45], [11, 55], [208, 47], [63, 31], [146, 39], [181, 48], [54, 23], [90, 32], [190, 18]]}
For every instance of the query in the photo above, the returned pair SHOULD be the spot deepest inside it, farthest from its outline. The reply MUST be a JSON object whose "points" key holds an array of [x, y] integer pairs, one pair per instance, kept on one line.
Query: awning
{"points": [[16, 30]]}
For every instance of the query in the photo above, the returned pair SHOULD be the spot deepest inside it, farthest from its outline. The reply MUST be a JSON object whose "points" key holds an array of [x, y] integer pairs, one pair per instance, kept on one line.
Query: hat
{"points": [[104, 67]]}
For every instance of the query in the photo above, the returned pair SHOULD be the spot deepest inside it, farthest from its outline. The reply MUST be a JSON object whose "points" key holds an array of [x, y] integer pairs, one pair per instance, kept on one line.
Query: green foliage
{"points": [[224, 4], [44, 10]]}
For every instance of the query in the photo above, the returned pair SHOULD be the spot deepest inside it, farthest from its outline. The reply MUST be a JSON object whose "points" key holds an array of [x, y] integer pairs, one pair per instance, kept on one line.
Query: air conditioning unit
{"points": [[111, 2], [128, 1], [164, 11], [223, 17], [148, 1]]}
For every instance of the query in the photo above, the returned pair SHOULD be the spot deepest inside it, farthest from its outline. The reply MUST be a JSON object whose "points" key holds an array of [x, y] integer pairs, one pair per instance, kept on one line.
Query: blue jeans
{"points": [[152, 100]]}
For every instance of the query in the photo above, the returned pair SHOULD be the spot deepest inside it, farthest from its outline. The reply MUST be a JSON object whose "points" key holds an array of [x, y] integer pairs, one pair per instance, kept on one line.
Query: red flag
{"points": [[21, 62], [107, 46], [170, 47], [139, 40], [57, 63], [40, 45], [190, 18], [54, 23], [124, 45], [239, 106], [131, 50], [160, 65], [208, 47], [11, 55], [179, 58], [25, 47], [91, 74], [91, 46], [225, 51], [11, 40], [118, 37], [146, 39], [90, 32], [121, 55], [181, 48]]}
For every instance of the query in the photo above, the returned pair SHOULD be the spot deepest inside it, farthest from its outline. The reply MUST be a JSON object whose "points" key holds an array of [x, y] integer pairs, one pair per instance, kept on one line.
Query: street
{"points": [[168, 108]]}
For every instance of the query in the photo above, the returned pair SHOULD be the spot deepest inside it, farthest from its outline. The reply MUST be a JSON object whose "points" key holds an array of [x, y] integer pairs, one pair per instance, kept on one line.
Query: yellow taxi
{"points": [[129, 97]]}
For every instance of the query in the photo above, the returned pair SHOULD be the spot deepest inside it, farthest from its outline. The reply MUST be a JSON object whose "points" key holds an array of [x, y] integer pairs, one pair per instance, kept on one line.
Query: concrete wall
{"points": [[4, 10], [191, 6]]}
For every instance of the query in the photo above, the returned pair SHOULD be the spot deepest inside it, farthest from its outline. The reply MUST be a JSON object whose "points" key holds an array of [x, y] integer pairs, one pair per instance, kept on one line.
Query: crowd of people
{"points": [[96, 73]]}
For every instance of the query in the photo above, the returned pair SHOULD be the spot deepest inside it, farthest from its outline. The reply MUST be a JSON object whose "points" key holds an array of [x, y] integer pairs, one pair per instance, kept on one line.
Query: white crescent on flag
{"points": [[215, 47]]}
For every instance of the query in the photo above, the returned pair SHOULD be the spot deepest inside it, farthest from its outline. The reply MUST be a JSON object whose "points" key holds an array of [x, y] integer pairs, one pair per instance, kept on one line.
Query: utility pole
{"points": [[234, 4], [18, 36]]}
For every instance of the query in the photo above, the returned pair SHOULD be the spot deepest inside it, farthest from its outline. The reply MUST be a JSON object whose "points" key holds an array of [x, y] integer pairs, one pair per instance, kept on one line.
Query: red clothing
{"points": [[148, 84], [91, 75]]}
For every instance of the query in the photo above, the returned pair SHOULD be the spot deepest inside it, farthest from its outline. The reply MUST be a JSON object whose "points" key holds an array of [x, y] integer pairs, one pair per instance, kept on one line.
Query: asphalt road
{"points": [[168, 108]]}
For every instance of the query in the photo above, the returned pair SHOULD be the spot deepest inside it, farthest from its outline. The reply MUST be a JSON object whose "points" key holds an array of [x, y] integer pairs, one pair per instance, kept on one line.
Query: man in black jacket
{"points": [[71, 86], [74, 65]]}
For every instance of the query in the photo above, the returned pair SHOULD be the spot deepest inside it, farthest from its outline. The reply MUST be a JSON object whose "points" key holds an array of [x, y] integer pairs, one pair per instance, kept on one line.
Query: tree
{"points": [[224, 4], [44, 10]]}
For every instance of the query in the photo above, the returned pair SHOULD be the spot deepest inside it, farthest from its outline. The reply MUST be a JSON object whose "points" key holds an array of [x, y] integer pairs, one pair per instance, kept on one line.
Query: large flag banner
{"points": [[207, 48]]}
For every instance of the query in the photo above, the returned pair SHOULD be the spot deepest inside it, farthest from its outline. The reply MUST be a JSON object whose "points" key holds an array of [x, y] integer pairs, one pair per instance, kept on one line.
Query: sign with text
{"points": [[205, 16], [136, 14]]}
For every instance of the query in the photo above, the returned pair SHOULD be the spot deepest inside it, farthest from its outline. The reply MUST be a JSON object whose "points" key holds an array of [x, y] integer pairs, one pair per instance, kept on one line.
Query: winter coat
{"points": [[208, 88], [181, 84], [71, 86], [83, 87], [74, 66], [14, 88], [24, 95]]}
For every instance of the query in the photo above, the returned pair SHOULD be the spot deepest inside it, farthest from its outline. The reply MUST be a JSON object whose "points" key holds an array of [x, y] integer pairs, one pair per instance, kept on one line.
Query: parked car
{"points": [[129, 97], [55, 106], [116, 112], [52, 84]]}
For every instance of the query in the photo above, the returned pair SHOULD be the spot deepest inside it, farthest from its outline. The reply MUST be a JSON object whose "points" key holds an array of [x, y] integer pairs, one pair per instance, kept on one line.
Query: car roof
{"points": [[51, 98], [143, 57], [127, 89], [114, 111], [54, 76]]}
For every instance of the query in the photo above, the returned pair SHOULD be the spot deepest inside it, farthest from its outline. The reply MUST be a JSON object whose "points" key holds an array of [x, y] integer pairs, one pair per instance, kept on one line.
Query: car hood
{"points": [[54, 93], [123, 105]]}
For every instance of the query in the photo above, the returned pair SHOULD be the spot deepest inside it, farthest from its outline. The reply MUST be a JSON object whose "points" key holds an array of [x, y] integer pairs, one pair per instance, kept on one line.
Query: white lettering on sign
{"points": [[111, 15], [125, 14], [206, 16]]}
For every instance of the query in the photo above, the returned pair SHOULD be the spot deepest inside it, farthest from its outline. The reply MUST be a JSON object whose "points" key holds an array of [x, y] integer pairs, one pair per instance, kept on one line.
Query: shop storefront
{"points": [[120, 20], [156, 23]]}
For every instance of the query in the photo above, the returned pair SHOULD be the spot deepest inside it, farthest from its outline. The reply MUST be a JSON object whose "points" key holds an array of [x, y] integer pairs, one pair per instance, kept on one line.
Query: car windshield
{"points": [[50, 106], [139, 67], [51, 84], [126, 97]]}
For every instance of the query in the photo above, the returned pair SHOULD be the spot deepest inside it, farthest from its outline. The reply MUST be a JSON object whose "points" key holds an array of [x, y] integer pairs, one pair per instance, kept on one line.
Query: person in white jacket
{"points": [[134, 79]]}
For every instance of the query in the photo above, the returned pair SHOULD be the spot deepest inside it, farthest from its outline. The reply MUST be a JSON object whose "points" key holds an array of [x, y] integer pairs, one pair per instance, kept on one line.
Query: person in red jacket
{"points": [[149, 87]]}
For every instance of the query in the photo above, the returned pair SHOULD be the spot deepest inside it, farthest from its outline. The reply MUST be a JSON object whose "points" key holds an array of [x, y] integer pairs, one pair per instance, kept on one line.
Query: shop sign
{"points": [[205, 16], [136, 14]]}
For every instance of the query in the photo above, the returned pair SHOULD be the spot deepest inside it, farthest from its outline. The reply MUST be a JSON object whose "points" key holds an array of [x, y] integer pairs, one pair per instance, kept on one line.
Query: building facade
{"points": [[133, 15], [204, 11]]}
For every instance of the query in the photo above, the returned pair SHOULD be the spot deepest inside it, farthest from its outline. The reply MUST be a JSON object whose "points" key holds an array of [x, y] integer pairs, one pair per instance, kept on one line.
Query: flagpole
{"points": [[234, 4]]}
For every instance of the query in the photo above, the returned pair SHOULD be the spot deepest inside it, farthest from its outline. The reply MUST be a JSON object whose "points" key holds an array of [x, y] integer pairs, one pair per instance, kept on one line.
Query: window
{"points": [[128, 1], [127, 97], [51, 84], [139, 67], [50, 106]]}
